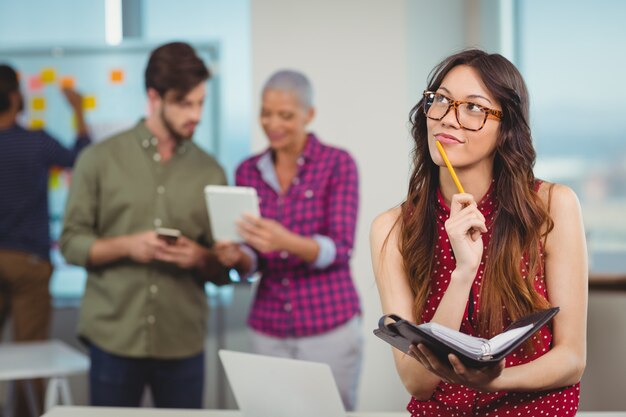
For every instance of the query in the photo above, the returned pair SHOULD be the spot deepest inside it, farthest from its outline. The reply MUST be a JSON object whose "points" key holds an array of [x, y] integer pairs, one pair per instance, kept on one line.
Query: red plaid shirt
{"points": [[296, 298]]}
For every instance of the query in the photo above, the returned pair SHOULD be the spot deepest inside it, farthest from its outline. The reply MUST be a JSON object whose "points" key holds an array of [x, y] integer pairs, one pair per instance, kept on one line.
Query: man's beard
{"points": [[171, 130]]}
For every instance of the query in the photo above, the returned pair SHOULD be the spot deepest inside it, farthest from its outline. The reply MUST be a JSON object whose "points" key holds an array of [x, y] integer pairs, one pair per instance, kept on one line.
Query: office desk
{"points": [[153, 412], [51, 359], [160, 412]]}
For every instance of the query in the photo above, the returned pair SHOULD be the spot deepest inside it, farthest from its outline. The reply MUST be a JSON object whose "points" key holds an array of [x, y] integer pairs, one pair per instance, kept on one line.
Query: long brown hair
{"points": [[517, 227]]}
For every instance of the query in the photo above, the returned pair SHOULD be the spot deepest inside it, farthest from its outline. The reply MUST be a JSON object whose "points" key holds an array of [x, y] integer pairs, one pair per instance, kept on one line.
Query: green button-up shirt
{"points": [[120, 186]]}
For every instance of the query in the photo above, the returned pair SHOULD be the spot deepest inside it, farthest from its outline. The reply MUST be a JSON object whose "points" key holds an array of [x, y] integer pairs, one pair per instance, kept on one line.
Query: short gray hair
{"points": [[292, 82]]}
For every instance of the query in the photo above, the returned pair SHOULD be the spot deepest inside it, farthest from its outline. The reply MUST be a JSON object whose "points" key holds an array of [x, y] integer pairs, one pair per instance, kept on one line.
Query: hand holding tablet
{"points": [[226, 205]]}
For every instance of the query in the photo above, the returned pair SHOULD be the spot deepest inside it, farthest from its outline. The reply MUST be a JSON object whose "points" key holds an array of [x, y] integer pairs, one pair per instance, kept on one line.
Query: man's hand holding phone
{"points": [[169, 236]]}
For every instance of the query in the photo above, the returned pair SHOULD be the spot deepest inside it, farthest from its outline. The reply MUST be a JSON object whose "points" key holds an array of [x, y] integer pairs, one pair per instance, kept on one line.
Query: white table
{"points": [[154, 412], [51, 359], [161, 412]]}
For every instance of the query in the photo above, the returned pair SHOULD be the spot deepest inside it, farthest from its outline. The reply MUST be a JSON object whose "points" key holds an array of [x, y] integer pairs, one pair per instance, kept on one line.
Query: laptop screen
{"points": [[266, 386]]}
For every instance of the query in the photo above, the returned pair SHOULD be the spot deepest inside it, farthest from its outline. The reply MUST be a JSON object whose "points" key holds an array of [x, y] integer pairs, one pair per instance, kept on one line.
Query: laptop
{"points": [[266, 386]]}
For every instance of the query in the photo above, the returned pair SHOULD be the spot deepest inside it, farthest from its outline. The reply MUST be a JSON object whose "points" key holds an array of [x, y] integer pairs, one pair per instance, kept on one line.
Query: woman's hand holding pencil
{"points": [[466, 222]]}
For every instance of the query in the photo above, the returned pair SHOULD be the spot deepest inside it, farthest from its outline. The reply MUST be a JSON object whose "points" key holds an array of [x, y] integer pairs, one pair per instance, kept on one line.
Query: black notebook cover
{"points": [[401, 333]]}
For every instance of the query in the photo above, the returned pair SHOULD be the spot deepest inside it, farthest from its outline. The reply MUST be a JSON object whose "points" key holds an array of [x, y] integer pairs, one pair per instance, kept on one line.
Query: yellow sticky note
{"points": [[67, 82], [38, 103], [89, 102], [116, 76], [37, 124], [48, 75], [54, 180]]}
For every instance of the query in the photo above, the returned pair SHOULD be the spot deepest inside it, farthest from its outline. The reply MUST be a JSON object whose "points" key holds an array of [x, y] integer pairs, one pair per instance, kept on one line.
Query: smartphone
{"points": [[170, 236]]}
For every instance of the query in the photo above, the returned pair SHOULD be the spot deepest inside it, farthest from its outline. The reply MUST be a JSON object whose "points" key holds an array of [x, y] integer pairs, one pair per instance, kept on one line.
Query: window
{"points": [[572, 57]]}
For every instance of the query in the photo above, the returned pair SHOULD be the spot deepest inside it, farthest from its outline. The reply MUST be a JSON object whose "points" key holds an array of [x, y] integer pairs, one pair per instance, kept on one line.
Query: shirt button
{"points": [[151, 319], [158, 222], [284, 254], [154, 289], [287, 306], [308, 193], [156, 157], [145, 143], [285, 282], [296, 181], [300, 161], [154, 141], [161, 189]]}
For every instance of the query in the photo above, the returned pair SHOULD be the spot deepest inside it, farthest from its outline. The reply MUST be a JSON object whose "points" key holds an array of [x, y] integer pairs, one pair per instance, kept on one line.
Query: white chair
{"points": [[52, 360]]}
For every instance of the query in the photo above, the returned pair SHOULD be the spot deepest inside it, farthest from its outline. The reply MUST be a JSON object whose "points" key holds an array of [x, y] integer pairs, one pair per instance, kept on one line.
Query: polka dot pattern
{"points": [[451, 400]]}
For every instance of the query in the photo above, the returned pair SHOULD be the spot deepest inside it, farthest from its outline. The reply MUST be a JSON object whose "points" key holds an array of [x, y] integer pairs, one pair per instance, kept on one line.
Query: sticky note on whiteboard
{"points": [[67, 82], [89, 102], [35, 83], [48, 75], [38, 103], [116, 76], [37, 124]]}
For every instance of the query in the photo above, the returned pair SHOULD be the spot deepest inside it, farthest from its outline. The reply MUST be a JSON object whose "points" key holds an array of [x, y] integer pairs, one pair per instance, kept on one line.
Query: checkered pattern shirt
{"points": [[296, 298]]}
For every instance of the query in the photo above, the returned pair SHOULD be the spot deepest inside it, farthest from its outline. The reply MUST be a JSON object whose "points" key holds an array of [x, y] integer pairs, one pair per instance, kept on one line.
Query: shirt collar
{"points": [[265, 164], [487, 205], [148, 141], [312, 148]]}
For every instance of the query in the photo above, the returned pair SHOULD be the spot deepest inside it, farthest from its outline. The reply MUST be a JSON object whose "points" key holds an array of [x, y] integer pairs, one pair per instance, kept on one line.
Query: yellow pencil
{"points": [[449, 165]]}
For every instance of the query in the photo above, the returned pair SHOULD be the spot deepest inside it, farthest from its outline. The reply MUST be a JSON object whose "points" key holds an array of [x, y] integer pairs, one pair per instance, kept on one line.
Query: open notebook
{"points": [[266, 386], [472, 351]]}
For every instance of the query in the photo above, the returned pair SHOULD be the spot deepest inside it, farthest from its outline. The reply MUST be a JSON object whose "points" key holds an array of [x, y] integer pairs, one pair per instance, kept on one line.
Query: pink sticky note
{"points": [[35, 83]]}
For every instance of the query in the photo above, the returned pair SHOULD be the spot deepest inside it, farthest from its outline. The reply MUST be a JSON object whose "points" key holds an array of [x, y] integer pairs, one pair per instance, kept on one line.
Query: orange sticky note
{"points": [[37, 124], [38, 103], [89, 102], [35, 83], [116, 76], [48, 75], [67, 82]]}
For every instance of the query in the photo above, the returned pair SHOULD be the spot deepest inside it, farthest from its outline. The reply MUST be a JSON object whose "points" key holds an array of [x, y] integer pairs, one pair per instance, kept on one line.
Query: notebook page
{"points": [[474, 345], [500, 342]]}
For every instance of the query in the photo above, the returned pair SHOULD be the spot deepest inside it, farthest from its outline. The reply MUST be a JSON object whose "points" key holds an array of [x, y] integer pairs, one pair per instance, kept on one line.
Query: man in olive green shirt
{"points": [[144, 312]]}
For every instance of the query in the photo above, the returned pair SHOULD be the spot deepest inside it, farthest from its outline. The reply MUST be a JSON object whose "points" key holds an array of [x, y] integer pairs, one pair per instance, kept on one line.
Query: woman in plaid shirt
{"points": [[306, 305]]}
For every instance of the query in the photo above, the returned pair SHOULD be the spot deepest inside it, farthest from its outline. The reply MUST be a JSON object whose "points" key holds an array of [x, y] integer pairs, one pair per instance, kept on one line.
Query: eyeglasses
{"points": [[471, 116]]}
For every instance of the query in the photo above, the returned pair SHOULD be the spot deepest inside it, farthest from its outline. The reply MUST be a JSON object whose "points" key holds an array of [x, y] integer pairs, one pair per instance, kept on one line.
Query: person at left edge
{"points": [[144, 311], [26, 157]]}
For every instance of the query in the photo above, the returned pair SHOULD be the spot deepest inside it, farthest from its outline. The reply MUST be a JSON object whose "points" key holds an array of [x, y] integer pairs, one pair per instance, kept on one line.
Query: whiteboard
{"points": [[111, 79]]}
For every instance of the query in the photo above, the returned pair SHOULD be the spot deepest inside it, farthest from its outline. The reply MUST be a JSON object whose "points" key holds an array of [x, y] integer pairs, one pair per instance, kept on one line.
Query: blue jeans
{"points": [[119, 381]]}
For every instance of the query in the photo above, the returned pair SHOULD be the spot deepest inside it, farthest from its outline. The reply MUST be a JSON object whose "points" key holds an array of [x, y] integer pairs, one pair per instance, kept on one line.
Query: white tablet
{"points": [[226, 205]]}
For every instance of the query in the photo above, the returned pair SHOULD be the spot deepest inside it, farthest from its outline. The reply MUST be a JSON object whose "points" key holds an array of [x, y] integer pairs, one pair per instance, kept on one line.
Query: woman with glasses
{"points": [[477, 260]]}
